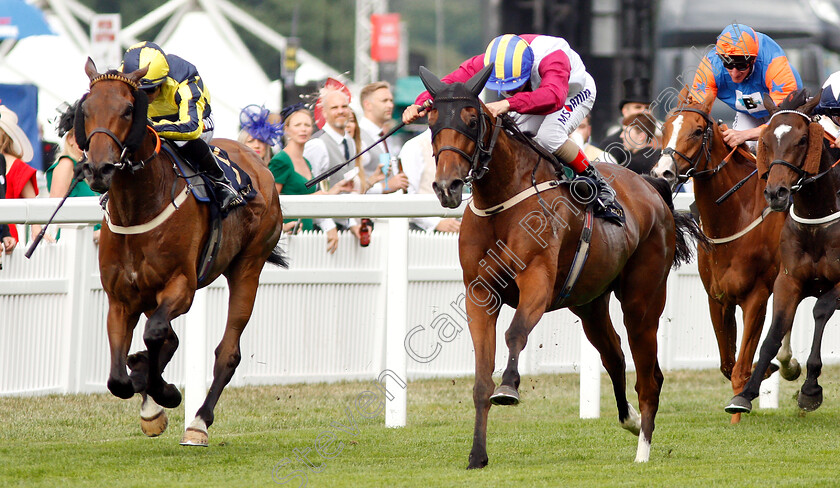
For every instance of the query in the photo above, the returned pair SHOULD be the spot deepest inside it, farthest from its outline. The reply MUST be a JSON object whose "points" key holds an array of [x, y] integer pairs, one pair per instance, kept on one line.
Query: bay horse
{"points": [[154, 271], [741, 261], [801, 181], [520, 251]]}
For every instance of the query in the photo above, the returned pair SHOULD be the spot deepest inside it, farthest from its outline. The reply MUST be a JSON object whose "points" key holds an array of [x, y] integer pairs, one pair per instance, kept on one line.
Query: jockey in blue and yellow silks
{"points": [[743, 66], [179, 109]]}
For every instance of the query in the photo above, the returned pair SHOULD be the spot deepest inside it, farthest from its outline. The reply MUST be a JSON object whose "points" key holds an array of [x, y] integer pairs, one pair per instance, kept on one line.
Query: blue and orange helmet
{"points": [[737, 42], [512, 59], [147, 54]]}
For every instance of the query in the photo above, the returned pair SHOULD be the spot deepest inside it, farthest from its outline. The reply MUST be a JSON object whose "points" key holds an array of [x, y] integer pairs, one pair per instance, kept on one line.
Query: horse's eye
{"points": [[473, 122], [129, 112], [697, 132], [802, 141]]}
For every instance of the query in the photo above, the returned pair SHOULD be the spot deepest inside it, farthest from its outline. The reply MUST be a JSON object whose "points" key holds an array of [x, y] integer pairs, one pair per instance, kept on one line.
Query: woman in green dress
{"points": [[291, 170], [60, 174]]}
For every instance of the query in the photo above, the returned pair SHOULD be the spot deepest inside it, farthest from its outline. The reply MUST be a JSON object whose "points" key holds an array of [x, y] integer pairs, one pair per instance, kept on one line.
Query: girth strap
{"points": [[519, 197], [579, 260]]}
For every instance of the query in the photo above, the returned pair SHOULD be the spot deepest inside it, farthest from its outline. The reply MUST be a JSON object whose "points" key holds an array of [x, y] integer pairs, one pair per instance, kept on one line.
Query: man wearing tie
{"points": [[378, 105]]}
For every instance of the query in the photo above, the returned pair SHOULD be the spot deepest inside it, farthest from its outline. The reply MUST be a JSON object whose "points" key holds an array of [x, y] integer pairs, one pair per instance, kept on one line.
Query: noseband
{"points": [[705, 149], [451, 119]]}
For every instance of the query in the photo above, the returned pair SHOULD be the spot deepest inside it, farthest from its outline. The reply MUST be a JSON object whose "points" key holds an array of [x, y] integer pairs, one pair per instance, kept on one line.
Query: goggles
{"points": [[739, 64]]}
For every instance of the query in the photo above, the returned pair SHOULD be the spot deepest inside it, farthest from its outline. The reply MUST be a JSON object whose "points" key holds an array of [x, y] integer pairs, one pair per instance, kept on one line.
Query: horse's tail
{"points": [[276, 257], [685, 225]]}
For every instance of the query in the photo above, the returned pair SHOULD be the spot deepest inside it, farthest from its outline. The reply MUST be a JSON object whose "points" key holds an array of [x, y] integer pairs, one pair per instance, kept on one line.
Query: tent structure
{"points": [[199, 31]]}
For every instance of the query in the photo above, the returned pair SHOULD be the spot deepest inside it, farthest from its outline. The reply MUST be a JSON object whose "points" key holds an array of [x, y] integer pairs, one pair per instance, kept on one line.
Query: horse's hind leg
{"points": [[595, 318], [811, 397], [790, 368], [243, 290], [120, 327]]}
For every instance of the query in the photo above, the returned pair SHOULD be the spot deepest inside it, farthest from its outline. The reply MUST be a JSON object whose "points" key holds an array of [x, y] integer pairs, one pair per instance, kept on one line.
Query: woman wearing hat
{"points": [[261, 131], [17, 151]]}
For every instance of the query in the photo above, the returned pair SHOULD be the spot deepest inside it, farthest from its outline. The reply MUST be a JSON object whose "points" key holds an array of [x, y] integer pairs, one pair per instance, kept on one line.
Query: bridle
{"points": [[451, 119], [705, 150], [135, 135], [803, 176]]}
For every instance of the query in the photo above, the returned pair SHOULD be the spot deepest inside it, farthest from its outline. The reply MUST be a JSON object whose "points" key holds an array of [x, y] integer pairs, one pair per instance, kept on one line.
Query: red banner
{"points": [[385, 37]]}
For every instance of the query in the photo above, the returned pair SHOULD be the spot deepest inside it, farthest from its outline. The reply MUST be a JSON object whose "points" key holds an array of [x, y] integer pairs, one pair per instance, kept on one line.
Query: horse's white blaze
{"points": [[149, 409], [781, 131], [643, 451], [666, 162], [633, 422]]}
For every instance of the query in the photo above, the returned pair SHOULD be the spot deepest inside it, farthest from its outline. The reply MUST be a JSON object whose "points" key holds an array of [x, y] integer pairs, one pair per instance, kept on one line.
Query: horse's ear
{"points": [[90, 69], [809, 106], [708, 102], [761, 158], [430, 81], [138, 74], [477, 82], [815, 146], [684, 96], [769, 104]]}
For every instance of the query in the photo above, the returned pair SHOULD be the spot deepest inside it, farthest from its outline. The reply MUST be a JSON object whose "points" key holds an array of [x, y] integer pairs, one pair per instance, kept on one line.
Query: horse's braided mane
{"points": [[113, 74], [516, 133]]}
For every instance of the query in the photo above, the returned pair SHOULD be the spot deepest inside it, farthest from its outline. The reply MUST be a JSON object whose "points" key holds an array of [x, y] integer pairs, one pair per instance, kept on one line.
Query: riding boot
{"points": [[202, 157], [571, 155], [606, 195]]}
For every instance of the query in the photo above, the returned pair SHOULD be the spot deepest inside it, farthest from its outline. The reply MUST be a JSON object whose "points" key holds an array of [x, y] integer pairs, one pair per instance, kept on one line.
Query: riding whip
{"points": [[77, 177], [331, 171]]}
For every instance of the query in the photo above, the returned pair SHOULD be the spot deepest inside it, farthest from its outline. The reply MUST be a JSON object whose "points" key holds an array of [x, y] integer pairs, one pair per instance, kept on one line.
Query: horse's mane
{"points": [[794, 100], [516, 134]]}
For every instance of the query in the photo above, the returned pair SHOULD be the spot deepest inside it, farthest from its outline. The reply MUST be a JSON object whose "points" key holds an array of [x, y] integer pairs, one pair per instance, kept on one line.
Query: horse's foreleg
{"points": [[723, 323], [534, 294], [120, 327], [754, 308], [595, 318], [811, 397], [174, 300], [483, 331], [787, 293], [243, 291]]}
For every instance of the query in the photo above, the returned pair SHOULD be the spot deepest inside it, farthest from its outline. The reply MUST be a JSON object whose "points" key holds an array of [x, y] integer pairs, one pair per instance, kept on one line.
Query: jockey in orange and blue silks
{"points": [[546, 88], [743, 66]]}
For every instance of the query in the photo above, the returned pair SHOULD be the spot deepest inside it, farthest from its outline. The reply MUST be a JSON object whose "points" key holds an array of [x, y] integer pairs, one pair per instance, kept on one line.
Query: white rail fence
{"points": [[391, 312]]}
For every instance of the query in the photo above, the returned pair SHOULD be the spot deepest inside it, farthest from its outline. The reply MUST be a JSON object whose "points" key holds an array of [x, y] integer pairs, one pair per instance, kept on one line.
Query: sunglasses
{"points": [[738, 65]]}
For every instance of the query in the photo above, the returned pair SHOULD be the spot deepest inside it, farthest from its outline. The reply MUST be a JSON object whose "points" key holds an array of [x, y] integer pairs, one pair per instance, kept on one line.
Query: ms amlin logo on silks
{"points": [[574, 102]]}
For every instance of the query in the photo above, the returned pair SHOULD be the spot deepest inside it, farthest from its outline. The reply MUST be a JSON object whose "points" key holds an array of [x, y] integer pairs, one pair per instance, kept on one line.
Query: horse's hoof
{"points": [[738, 404], [121, 388], [156, 425], [505, 395], [809, 403], [477, 462], [194, 437], [792, 372], [167, 397]]}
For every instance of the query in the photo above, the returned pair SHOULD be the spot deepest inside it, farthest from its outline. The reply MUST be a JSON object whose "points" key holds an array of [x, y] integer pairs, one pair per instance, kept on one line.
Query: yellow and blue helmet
{"points": [[147, 54], [512, 59]]}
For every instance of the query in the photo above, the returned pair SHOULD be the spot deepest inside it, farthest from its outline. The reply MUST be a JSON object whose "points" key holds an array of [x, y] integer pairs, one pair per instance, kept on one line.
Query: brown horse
{"points": [[153, 271], [741, 262], [521, 253], [793, 158]]}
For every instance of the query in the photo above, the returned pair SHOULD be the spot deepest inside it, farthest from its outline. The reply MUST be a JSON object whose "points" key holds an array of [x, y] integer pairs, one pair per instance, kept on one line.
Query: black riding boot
{"points": [[606, 195], [202, 157]]}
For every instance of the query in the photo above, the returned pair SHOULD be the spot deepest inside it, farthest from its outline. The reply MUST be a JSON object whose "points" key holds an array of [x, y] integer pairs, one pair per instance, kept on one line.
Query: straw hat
{"points": [[20, 143]]}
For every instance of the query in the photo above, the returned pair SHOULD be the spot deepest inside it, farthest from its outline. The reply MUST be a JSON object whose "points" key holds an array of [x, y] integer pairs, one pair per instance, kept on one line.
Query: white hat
{"points": [[20, 143]]}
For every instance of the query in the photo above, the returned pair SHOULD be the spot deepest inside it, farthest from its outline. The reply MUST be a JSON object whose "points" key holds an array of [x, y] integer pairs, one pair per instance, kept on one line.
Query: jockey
{"points": [[829, 105], [743, 66], [546, 87], [179, 109]]}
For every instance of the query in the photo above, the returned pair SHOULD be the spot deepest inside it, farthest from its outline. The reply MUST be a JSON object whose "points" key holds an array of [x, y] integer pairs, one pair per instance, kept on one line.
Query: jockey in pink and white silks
{"points": [[547, 91]]}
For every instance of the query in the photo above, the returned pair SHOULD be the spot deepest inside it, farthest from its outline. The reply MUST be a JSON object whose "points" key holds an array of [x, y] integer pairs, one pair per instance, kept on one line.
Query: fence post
{"points": [[396, 305], [195, 346], [80, 254], [768, 394], [590, 379]]}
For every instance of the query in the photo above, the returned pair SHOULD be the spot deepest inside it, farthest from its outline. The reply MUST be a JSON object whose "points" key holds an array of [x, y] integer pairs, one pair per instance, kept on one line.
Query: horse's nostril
{"points": [[456, 186]]}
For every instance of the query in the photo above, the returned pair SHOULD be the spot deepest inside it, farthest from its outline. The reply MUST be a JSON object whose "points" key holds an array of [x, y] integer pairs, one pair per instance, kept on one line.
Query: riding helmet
{"points": [[737, 41], [830, 96], [512, 59], [147, 54]]}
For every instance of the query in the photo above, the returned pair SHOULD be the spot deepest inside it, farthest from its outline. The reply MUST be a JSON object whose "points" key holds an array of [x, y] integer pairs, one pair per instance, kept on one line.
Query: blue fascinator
{"points": [[255, 119]]}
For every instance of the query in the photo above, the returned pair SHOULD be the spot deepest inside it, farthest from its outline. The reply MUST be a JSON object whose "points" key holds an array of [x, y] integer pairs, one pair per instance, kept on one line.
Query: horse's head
{"points": [[110, 123], [459, 126], [789, 149], [687, 137]]}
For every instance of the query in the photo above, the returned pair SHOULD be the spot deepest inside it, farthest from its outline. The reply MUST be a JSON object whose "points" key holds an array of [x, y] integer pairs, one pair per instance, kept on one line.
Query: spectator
{"points": [[582, 136], [19, 177], [261, 131], [292, 170], [419, 164], [378, 106], [364, 179], [637, 98], [60, 174], [639, 146], [330, 146]]}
